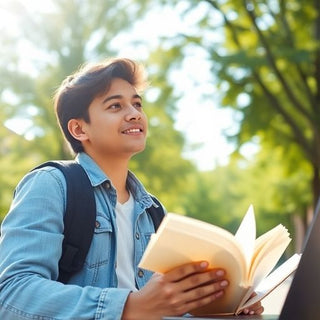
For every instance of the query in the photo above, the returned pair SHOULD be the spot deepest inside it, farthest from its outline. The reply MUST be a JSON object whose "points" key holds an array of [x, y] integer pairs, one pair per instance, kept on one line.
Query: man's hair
{"points": [[78, 90]]}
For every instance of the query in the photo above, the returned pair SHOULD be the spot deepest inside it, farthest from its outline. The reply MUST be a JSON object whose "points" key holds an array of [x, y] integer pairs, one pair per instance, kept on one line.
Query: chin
{"points": [[138, 150]]}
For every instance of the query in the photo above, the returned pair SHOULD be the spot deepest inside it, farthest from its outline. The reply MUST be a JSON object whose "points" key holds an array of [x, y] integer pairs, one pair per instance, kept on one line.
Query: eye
{"points": [[115, 106], [137, 104]]}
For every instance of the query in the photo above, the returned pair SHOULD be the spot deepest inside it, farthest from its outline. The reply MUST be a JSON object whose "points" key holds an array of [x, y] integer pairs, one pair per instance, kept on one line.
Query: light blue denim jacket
{"points": [[31, 242]]}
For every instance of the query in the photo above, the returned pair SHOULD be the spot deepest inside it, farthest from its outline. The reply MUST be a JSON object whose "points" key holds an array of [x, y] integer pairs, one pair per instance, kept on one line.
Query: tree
{"points": [[273, 59], [265, 60], [62, 39], [13, 164], [45, 46]]}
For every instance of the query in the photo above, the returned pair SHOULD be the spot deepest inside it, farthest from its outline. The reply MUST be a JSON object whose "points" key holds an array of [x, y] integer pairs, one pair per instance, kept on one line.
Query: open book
{"points": [[248, 261]]}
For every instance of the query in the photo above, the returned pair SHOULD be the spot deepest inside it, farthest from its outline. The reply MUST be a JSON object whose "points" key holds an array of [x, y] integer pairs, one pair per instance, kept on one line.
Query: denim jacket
{"points": [[31, 242]]}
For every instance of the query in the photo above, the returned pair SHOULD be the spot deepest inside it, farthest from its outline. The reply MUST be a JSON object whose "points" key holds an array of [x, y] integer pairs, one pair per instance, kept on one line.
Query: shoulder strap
{"points": [[79, 218], [156, 213]]}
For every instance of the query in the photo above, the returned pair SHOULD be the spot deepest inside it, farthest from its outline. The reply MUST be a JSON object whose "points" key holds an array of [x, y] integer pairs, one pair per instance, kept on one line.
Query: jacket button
{"points": [[97, 224], [140, 273], [137, 236]]}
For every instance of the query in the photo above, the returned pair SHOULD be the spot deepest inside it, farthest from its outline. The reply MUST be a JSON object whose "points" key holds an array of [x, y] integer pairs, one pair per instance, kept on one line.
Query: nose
{"points": [[133, 113]]}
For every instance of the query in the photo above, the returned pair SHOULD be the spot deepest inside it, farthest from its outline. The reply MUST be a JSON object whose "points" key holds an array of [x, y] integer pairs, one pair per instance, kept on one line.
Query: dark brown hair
{"points": [[78, 90]]}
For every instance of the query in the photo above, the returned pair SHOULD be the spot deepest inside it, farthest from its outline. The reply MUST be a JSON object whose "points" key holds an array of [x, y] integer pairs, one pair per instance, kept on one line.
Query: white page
{"points": [[275, 278], [246, 234], [269, 254]]}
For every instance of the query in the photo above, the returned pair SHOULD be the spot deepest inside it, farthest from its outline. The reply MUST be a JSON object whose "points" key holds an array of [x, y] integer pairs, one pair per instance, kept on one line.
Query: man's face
{"points": [[118, 125]]}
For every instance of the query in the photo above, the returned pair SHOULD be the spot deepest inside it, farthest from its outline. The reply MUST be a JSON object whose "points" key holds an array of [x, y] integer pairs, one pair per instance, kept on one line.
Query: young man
{"points": [[100, 113]]}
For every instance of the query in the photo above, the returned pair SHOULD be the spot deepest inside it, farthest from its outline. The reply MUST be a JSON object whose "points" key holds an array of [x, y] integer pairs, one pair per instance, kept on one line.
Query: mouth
{"points": [[132, 131]]}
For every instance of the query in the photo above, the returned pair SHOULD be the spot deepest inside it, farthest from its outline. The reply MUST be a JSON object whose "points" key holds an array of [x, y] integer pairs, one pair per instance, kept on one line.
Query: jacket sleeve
{"points": [[30, 248]]}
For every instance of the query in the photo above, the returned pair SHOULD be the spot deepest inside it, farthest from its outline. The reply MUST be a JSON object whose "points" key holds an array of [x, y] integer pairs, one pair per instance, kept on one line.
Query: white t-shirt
{"points": [[125, 244]]}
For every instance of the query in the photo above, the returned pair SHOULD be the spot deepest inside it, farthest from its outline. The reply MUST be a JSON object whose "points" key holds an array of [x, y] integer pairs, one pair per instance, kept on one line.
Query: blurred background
{"points": [[233, 105]]}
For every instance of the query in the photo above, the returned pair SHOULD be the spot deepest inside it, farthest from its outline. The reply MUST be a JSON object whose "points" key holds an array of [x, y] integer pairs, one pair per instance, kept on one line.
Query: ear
{"points": [[75, 127]]}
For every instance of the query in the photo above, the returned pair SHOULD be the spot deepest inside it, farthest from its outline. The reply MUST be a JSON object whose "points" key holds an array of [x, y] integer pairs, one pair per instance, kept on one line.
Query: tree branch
{"points": [[317, 59], [273, 65], [299, 137], [291, 42]]}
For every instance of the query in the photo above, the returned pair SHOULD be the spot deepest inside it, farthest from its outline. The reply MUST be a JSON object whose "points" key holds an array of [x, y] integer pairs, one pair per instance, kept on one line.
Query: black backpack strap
{"points": [[156, 213], [79, 218]]}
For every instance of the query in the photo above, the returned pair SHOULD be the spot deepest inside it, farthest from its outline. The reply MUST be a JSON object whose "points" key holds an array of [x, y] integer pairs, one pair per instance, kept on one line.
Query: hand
{"points": [[176, 292], [256, 308]]}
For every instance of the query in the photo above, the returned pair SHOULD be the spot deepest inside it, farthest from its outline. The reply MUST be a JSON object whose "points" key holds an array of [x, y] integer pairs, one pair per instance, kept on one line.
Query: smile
{"points": [[135, 130]]}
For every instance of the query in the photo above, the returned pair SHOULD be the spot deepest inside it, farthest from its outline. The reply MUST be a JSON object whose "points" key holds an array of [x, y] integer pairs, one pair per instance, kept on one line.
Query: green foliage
{"points": [[267, 65], [63, 38], [161, 166], [213, 197], [13, 164], [272, 59]]}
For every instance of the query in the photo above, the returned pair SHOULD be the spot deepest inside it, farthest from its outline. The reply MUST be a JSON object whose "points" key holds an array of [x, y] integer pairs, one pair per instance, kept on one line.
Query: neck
{"points": [[117, 171]]}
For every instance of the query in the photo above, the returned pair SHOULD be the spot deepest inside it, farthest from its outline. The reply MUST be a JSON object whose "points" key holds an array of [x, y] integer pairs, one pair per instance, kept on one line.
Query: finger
{"points": [[257, 308], [211, 288], [202, 301], [260, 310], [212, 279], [185, 270], [257, 311]]}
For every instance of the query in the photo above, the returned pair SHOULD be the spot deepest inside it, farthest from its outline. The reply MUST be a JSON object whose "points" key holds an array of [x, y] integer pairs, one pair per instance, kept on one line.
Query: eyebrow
{"points": [[119, 96]]}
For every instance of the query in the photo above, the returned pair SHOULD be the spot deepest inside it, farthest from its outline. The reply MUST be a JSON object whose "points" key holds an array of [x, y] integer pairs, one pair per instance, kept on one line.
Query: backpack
{"points": [[80, 217]]}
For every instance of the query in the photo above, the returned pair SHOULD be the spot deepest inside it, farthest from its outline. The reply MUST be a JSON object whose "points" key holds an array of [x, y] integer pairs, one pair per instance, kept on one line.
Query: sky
{"points": [[200, 119]]}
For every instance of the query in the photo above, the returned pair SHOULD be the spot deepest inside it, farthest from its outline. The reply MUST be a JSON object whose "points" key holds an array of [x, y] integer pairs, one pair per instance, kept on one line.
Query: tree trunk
{"points": [[316, 185]]}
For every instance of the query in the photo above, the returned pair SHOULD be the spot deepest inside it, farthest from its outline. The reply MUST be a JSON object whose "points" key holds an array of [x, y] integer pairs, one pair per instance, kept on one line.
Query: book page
{"points": [[270, 248], [246, 235], [276, 278], [181, 240]]}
